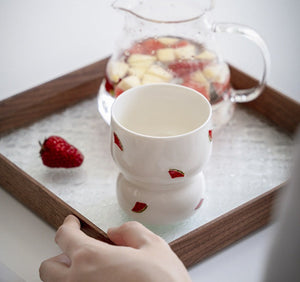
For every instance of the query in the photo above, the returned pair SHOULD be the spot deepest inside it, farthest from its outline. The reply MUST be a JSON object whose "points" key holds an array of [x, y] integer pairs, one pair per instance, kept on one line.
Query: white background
{"points": [[41, 40]]}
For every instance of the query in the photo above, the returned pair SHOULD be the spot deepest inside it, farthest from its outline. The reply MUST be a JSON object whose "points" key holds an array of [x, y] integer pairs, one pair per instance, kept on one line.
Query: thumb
{"points": [[131, 234]]}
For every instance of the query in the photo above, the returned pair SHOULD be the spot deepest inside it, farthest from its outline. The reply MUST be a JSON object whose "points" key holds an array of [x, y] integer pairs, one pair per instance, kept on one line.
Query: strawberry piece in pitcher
{"points": [[181, 68]]}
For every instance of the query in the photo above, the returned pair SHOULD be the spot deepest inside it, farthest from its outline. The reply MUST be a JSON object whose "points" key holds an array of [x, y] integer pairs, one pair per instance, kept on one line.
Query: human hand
{"points": [[139, 255]]}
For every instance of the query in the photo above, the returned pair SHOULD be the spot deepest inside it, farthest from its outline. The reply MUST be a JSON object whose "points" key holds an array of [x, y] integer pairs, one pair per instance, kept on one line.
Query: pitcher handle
{"points": [[246, 95]]}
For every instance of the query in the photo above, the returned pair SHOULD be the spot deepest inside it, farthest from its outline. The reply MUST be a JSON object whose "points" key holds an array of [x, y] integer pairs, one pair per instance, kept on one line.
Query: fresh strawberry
{"points": [[181, 68], [57, 152], [198, 87]]}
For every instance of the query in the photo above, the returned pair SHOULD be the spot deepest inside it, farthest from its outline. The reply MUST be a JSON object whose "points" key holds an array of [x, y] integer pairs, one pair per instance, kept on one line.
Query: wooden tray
{"points": [[36, 103]]}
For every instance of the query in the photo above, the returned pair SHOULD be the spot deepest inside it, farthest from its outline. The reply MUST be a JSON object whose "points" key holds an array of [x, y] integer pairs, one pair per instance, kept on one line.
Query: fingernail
{"points": [[64, 259], [111, 229]]}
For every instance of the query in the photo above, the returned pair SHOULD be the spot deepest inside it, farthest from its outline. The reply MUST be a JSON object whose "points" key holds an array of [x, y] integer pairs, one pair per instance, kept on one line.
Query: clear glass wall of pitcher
{"points": [[174, 42]]}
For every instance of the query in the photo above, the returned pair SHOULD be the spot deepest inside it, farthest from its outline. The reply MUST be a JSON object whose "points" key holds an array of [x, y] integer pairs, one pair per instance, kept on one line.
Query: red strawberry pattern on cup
{"points": [[174, 173], [139, 207], [210, 135], [199, 204], [118, 142]]}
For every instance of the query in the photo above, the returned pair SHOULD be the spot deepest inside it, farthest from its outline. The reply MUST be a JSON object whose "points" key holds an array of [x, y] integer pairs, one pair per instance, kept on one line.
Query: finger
{"points": [[53, 270], [72, 221], [69, 236], [62, 258], [132, 234]]}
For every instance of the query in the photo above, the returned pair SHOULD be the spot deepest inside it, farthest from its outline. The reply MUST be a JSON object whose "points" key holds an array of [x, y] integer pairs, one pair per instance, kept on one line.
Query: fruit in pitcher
{"points": [[172, 60], [135, 49], [202, 89], [198, 77], [151, 45], [221, 87], [118, 91], [139, 207], [166, 54], [149, 78], [138, 71], [57, 152], [156, 74], [185, 52], [180, 43], [159, 72], [174, 173], [109, 86], [117, 70], [126, 83], [181, 68], [141, 60], [198, 82], [146, 47], [168, 40], [217, 73], [219, 77], [206, 55]]}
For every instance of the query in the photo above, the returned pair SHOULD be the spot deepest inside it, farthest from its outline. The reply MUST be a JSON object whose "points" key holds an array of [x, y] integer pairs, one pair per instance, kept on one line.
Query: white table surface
{"points": [[41, 40]]}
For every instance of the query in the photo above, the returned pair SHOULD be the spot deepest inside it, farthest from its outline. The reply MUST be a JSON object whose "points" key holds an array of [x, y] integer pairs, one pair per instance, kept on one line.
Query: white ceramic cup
{"points": [[161, 138]]}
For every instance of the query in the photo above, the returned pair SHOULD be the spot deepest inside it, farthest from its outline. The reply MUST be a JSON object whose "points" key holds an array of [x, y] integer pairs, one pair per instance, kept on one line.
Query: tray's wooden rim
{"points": [[34, 104]]}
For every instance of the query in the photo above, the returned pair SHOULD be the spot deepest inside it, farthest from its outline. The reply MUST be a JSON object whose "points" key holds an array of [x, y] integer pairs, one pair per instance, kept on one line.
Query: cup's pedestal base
{"points": [[161, 204]]}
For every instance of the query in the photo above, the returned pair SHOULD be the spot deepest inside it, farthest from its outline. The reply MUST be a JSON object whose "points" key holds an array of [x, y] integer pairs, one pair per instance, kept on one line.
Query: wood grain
{"points": [[190, 248], [40, 200], [278, 108], [38, 102], [226, 229]]}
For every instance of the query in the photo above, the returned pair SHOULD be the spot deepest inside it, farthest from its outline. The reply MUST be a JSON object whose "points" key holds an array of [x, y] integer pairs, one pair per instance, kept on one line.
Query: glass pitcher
{"points": [[173, 41]]}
